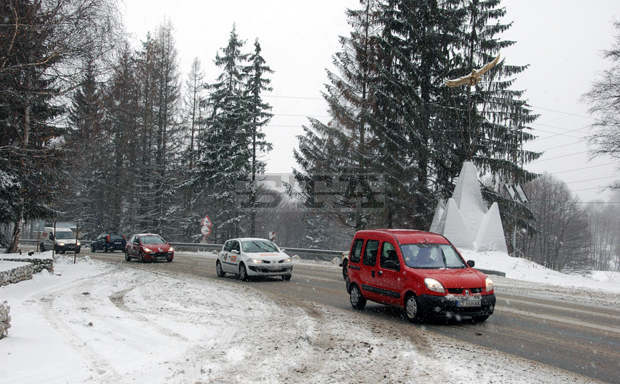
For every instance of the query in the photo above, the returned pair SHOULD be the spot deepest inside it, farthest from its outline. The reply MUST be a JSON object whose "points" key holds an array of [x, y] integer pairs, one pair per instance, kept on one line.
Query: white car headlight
{"points": [[77, 243], [257, 261], [171, 249], [287, 260], [61, 244], [146, 250], [489, 284], [434, 285]]}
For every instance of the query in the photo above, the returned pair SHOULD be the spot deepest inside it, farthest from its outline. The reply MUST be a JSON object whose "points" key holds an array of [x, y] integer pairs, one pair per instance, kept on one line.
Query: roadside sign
{"points": [[205, 227]]}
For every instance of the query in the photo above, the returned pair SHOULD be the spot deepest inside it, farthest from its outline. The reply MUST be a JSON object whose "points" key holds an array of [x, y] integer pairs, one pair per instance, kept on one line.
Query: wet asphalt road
{"points": [[583, 339]]}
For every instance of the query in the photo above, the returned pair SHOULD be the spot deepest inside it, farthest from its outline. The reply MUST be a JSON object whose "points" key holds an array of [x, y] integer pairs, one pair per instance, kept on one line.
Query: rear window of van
{"points": [[356, 252]]}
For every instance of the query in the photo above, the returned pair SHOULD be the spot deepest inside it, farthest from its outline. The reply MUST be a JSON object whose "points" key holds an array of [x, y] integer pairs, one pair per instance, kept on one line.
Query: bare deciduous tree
{"points": [[604, 98], [42, 45], [562, 235]]}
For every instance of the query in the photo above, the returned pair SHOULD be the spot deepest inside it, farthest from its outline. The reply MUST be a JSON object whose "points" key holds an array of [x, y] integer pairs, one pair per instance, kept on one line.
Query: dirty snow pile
{"points": [[94, 322]]}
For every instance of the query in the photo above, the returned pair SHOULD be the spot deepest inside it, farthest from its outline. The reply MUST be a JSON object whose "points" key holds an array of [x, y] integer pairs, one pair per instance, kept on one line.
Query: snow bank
{"points": [[39, 260], [8, 265], [100, 323], [5, 319], [526, 270]]}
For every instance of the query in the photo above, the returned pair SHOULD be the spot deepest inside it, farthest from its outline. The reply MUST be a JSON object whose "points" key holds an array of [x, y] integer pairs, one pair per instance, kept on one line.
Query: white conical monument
{"points": [[465, 220], [456, 228], [491, 232]]}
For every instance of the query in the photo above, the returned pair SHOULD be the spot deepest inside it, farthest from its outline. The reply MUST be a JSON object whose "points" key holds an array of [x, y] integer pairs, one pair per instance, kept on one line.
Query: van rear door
{"points": [[368, 270]]}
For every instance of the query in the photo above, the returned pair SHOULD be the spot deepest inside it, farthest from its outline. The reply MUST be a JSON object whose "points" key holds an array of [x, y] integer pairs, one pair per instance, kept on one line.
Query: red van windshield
{"points": [[431, 256]]}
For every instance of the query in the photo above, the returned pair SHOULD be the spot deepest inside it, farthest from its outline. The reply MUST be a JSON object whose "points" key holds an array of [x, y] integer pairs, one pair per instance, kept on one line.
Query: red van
{"points": [[421, 272]]}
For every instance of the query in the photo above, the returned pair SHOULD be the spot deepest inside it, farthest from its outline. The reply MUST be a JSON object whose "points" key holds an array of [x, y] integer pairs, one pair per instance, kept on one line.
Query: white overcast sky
{"points": [[561, 40]]}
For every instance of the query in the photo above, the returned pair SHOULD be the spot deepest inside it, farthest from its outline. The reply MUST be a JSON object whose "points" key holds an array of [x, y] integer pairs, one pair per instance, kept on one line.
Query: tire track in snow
{"points": [[118, 299], [96, 362]]}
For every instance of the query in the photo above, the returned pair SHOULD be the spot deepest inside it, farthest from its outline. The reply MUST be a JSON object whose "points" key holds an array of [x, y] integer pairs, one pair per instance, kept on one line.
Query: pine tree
{"points": [[494, 121], [30, 177], [222, 168], [340, 155], [194, 103], [258, 116], [168, 136], [416, 39], [85, 146], [115, 168]]}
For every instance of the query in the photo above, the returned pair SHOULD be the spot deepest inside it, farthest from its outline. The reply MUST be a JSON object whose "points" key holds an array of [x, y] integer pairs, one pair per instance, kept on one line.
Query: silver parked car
{"points": [[246, 257]]}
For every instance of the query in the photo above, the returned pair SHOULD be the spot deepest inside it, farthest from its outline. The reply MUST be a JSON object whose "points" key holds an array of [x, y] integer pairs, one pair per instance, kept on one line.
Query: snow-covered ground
{"points": [[94, 322], [525, 270], [8, 265]]}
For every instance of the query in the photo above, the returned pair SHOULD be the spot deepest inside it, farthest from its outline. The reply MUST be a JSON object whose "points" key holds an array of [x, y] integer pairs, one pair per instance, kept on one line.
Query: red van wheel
{"points": [[413, 311], [358, 301]]}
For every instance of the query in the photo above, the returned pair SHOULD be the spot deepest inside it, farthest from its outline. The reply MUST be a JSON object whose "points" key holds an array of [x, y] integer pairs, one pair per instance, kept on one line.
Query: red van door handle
{"points": [[372, 273]]}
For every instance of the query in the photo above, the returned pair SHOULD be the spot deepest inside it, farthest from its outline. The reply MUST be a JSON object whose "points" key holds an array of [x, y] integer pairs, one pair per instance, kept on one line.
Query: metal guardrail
{"points": [[304, 253], [315, 254]]}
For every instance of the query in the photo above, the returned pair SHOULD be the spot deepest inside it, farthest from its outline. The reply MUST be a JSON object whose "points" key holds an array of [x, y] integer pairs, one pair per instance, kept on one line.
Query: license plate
{"points": [[471, 301]]}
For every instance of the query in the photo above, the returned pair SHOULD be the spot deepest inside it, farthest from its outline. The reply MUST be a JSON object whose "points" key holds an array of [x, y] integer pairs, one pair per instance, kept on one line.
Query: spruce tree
{"points": [[168, 142], [340, 156], [222, 168], [494, 123], [416, 39], [495, 118], [29, 157], [258, 115], [85, 144], [193, 117]]}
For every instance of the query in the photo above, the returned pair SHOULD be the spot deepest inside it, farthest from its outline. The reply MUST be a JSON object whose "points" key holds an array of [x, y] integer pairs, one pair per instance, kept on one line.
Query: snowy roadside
{"points": [[94, 322]]}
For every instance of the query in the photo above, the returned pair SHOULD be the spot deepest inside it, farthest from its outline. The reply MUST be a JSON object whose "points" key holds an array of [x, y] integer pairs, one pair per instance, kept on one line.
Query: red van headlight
{"points": [[489, 285], [434, 285]]}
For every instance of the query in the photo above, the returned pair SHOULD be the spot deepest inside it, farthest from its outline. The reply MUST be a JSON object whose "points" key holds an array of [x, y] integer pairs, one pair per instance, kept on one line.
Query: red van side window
{"points": [[356, 252], [370, 256]]}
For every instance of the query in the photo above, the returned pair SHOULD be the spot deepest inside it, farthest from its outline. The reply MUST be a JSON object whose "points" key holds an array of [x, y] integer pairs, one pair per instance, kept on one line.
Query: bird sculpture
{"points": [[474, 77]]}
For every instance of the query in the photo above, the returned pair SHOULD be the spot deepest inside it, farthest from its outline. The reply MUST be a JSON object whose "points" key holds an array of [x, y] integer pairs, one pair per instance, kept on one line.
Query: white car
{"points": [[64, 241], [247, 257]]}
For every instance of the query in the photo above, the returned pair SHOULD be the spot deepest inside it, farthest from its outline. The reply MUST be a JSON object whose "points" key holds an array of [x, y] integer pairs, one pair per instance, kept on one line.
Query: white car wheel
{"points": [[243, 273], [218, 269]]}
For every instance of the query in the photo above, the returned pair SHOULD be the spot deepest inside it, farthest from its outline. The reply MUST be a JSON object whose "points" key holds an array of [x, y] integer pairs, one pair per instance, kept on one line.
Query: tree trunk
{"points": [[17, 230]]}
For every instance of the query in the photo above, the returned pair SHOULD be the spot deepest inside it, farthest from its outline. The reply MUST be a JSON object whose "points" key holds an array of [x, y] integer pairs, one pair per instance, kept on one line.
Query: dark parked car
{"points": [[148, 247], [108, 242]]}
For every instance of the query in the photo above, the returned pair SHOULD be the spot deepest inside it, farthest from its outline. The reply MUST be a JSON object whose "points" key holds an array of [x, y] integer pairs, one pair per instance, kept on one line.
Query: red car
{"points": [[418, 271], [148, 247]]}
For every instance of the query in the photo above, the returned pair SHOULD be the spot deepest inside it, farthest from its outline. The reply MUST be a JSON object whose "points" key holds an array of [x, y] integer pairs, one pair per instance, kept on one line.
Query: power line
{"points": [[590, 188], [528, 105], [563, 145], [562, 112], [586, 180], [560, 157], [582, 168], [560, 134], [294, 97]]}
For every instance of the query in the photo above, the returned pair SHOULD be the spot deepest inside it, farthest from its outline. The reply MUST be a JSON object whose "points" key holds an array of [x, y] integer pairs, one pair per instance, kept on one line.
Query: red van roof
{"points": [[405, 236]]}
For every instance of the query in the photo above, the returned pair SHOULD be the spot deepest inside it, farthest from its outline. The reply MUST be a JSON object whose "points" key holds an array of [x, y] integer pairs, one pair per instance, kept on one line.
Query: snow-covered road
{"points": [[96, 322]]}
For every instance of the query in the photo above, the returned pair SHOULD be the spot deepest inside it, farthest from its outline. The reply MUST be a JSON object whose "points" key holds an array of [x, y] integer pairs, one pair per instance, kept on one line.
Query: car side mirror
{"points": [[235, 251], [52, 236], [471, 263]]}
